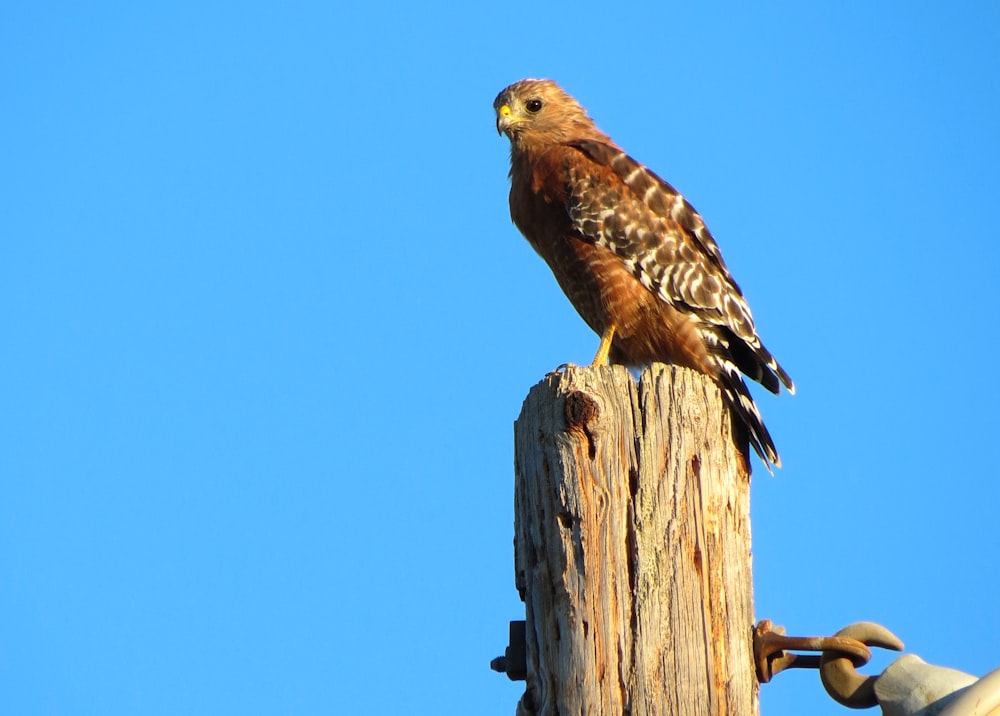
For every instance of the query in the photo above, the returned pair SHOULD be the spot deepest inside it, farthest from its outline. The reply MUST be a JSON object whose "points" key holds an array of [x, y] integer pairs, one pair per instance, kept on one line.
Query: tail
{"points": [[735, 392], [734, 356]]}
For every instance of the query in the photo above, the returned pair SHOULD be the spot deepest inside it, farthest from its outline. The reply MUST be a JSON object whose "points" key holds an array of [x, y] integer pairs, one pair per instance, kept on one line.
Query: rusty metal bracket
{"points": [[773, 650], [841, 655]]}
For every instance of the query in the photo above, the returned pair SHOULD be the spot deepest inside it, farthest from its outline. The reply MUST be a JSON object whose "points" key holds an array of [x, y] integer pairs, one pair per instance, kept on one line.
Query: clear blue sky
{"points": [[267, 326]]}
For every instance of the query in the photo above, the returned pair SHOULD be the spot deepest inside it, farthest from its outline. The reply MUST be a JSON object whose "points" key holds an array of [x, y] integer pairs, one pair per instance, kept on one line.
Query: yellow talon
{"points": [[604, 349]]}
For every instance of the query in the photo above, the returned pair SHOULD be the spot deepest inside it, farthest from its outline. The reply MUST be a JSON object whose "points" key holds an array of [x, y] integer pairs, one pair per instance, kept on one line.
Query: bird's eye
{"points": [[533, 105]]}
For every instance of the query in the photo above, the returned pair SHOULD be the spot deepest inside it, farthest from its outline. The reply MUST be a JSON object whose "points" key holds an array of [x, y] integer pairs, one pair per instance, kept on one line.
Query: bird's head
{"points": [[535, 112]]}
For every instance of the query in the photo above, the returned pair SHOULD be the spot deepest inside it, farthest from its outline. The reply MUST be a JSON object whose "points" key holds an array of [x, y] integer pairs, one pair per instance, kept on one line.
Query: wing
{"points": [[616, 202]]}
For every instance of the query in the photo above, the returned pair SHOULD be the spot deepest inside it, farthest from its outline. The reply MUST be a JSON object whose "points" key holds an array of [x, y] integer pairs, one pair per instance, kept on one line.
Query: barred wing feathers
{"points": [[665, 244]]}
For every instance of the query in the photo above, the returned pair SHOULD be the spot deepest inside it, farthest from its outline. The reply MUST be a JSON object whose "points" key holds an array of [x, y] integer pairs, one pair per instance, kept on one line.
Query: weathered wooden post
{"points": [[632, 547]]}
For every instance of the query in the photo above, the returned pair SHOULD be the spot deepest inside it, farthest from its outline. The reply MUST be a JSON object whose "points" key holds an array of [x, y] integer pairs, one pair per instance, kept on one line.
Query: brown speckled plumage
{"points": [[629, 251]]}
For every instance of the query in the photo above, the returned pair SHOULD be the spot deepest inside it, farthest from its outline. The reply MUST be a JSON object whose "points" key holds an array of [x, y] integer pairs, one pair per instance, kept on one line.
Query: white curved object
{"points": [[980, 699], [912, 687]]}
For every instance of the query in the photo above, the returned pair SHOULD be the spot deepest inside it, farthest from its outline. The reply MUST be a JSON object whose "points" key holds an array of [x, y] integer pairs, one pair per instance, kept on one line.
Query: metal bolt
{"points": [[514, 662]]}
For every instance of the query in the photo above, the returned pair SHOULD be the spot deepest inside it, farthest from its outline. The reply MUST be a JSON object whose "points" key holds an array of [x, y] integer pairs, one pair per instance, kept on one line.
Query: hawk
{"points": [[631, 254]]}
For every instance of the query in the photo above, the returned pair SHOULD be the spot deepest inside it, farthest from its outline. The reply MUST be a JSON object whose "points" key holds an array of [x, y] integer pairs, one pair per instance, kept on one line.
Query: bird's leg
{"points": [[604, 349]]}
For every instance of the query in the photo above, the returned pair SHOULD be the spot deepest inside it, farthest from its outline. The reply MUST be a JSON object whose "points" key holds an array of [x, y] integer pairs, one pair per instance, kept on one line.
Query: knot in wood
{"points": [[580, 409]]}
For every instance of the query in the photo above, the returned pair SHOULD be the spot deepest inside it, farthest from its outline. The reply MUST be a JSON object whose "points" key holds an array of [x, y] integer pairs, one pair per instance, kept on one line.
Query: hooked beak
{"points": [[504, 120]]}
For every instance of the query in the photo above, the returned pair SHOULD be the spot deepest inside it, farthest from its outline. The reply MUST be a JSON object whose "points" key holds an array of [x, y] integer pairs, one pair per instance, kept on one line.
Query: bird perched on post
{"points": [[631, 254]]}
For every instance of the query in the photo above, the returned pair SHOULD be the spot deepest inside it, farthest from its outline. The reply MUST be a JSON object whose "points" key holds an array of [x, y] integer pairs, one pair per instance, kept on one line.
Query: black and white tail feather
{"points": [[734, 357]]}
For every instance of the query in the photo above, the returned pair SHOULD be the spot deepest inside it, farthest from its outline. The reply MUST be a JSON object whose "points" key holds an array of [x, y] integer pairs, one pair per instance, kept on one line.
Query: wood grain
{"points": [[632, 546]]}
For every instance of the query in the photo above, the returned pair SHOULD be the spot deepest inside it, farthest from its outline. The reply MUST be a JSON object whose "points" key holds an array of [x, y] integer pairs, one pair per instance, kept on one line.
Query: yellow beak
{"points": [[503, 118]]}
